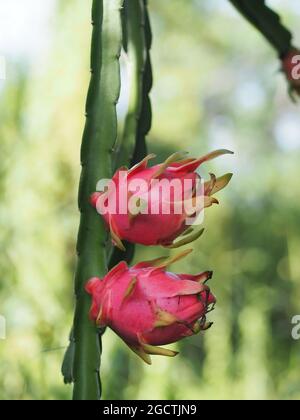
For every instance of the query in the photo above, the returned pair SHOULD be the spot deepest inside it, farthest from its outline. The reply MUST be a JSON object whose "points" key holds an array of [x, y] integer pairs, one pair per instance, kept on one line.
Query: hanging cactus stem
{"points": [[145, 119], [267, 22], [134, 16], [136, 43], [82, 362]]}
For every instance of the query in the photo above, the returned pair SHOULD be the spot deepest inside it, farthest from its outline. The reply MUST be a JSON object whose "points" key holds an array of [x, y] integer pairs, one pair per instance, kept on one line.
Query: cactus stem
{"points": [[82, 359]]}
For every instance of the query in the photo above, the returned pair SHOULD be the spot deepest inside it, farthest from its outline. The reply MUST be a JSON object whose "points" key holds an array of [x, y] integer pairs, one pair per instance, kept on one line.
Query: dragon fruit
{"points": [[141, 186], [149, 307]]}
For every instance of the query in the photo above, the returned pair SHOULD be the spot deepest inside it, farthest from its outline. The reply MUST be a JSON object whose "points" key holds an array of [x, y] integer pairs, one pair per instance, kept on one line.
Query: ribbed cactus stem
{"points": [[98, 139], [135, 44], [132, 147], [145, 119], [267, 22]]}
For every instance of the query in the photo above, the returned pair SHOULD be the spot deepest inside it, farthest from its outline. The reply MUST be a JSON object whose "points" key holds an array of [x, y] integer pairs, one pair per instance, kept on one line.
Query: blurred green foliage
{"points": [[216, 85]]}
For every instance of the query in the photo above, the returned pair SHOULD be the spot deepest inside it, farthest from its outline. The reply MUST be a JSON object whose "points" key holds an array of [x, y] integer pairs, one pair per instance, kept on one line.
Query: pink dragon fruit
{"points": [[142, 188], [291, 68], [149, 307]]}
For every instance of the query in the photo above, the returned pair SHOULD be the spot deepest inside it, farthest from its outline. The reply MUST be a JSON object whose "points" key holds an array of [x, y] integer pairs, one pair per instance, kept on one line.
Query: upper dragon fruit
{"points": [[140, 188], [149, 307]]}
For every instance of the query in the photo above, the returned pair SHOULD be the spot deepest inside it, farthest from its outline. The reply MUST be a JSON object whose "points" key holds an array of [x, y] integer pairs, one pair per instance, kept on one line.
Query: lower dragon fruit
{"points": [[150, 307]]}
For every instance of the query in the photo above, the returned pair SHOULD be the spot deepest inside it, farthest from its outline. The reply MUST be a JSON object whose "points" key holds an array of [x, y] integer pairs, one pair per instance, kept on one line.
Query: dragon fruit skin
{"points": [[158, 229], [149, 307]]}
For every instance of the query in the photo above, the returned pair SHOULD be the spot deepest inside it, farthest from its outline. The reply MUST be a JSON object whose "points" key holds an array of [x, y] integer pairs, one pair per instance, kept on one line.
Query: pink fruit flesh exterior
{"points": [[151, 229], [150, 306]]}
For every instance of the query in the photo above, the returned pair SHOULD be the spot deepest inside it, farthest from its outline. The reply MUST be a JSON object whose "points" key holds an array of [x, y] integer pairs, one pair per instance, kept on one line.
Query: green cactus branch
{"points": [[100, 151], [267, 22], [145, 120], [98, 139], [135, 45], [137, 124]]}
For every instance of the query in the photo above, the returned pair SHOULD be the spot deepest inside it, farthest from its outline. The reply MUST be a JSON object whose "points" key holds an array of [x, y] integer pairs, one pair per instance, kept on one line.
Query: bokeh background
{"points": [[217, 84]]}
